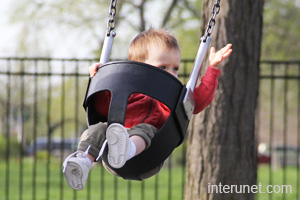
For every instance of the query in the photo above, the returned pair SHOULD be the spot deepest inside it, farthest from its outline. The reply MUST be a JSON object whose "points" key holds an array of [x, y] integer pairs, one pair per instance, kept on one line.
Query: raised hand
{"points": [[215, 58]]}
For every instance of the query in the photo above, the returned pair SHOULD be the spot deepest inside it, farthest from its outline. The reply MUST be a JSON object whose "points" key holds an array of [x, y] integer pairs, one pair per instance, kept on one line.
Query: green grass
{"points": [[100, 185], [276, 180]]}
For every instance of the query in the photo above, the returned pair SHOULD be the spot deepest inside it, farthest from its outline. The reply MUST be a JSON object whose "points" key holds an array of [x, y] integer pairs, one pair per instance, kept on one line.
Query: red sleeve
{"points": [[205, 92]]}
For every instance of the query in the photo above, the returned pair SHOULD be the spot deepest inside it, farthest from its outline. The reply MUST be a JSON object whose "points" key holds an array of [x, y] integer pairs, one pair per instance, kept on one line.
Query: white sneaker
{"points": [[76, 169], [119, 147]]}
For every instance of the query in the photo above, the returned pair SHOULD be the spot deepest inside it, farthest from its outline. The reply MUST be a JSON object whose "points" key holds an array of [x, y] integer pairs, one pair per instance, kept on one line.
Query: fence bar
{"points": [[102, 183], [156, 187], [129, 190], [298, 137], [35, 118], [20, 130], [285, 113], [62, 132], [44, 74], [183, 168], [76, 113], [48, 119], [88, 192], [170, 178], [116, 188], [7, 131], [272, 107], [257, 126], [143, 190]]}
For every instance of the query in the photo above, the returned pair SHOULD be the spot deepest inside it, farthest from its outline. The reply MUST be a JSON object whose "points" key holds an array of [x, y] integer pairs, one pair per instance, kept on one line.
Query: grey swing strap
{"points": [[188, 101], [110, 33]]}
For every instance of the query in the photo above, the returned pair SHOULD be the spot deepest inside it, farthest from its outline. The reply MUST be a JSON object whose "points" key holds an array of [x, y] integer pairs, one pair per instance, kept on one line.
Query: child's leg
{"points": [[145, 132], [94, 137], [142, 135], [139, 143], [76, 168]]}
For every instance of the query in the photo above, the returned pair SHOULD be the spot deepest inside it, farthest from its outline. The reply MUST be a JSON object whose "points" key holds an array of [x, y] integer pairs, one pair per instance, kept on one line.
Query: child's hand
{"points": [[93, 69], [215, 58]]}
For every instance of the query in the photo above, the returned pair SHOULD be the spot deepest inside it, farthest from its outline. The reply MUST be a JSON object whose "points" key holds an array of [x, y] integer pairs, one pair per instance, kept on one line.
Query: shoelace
{"points": [[101, 150], [85, 154], [71, 155]]}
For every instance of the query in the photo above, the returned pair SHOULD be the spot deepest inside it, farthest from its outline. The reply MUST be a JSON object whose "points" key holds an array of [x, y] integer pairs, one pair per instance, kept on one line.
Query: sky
{"points": [[52, 42], [63, 42], [8, 32]]}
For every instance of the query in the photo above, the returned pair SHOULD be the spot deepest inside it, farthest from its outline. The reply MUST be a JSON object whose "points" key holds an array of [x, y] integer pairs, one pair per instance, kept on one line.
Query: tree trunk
{"points": [[222, 146]]}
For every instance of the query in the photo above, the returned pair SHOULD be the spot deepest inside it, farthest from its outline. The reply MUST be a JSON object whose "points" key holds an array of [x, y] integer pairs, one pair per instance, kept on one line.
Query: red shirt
{"points": [[144, 109]]}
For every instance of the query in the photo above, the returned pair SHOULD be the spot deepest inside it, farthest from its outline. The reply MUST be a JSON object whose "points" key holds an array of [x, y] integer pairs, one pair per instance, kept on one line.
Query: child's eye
{"points": [[163, 67], [175, 69]]}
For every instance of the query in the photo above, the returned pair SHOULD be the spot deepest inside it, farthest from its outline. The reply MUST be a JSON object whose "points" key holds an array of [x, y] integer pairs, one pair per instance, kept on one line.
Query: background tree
{"points": [[281, 30], [222, 148], [80, 25]]}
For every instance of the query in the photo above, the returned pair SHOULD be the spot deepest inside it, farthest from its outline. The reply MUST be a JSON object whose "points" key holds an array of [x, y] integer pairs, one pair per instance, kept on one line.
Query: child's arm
{"points": [[93, 69], [205, 92], [215, 58]]}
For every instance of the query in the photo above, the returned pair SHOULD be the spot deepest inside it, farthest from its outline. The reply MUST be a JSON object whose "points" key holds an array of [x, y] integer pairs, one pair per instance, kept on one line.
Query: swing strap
{"points": [[189, 102], [110, 33], [212, 21]]}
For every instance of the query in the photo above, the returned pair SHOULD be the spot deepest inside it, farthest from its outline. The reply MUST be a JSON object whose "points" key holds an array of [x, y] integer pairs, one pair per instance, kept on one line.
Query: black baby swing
{"points": [[124, 78]]}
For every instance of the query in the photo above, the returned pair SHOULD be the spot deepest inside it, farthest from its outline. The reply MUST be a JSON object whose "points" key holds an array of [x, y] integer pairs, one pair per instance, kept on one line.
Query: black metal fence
{"points": [[41, 119], [278, 128]]}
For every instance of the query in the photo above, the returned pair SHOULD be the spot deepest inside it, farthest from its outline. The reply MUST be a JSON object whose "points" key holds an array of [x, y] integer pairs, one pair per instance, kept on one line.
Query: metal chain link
{"points": [[112, 12], [212, 21]]}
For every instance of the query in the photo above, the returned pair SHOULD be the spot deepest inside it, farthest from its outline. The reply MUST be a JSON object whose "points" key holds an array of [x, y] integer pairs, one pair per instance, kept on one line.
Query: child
{"points": [[144, 115]]}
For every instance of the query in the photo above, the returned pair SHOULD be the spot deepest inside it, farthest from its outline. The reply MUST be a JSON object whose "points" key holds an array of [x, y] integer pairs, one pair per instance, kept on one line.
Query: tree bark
{"points": [[222, 146]]}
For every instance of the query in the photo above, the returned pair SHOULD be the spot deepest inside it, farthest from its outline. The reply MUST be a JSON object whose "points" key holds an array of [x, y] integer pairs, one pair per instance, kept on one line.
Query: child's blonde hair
{"points": [[139, 47]]}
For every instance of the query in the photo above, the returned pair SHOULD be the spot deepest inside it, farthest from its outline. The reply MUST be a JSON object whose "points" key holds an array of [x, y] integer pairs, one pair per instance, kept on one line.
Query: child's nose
{"points": [[172, 72]]}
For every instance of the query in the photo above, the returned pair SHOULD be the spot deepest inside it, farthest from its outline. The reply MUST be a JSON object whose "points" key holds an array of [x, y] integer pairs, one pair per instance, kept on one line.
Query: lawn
{"points": [[276, 180], [102, 185]]}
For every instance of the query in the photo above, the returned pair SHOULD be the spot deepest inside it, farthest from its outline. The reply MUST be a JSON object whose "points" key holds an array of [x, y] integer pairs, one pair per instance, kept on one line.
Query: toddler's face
{"points": [[164, 58]]}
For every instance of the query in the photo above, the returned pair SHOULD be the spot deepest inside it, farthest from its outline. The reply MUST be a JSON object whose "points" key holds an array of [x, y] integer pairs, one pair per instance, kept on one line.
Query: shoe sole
{"points": [[116, 136], [73, 174]]}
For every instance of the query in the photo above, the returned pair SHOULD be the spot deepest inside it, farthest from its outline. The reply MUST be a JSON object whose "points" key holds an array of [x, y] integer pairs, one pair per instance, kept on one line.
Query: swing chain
{"points": [[112, 12], [212, 21]]}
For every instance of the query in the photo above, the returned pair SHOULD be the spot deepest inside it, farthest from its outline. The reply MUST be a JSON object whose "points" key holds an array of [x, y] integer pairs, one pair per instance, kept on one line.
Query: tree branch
{"points": [[195, 12], [142, 13], [168, 14]]}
